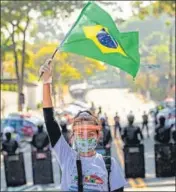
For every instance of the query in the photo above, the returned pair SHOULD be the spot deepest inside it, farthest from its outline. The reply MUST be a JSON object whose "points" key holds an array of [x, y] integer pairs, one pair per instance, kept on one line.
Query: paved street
{"points": [[111, 100]]}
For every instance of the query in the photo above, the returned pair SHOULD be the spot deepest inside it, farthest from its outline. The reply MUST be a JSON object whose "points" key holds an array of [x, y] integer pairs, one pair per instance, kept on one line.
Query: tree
{"points": [[16, 17], [158, 8], [15, 22]]}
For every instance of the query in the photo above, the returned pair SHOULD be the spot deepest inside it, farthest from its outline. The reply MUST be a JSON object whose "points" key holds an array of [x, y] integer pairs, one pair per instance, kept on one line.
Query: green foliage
{"points": [[39, 105], [155, 8], [9, 87]]}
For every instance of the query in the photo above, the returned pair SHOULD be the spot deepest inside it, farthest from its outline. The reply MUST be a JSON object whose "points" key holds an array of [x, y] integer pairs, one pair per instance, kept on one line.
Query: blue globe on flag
{"points": [[105, 39]]}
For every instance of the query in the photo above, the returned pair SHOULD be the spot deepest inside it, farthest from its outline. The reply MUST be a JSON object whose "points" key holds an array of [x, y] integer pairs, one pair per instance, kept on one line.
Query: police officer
{"points": [[9, 146], [117, 124], [92, 108], [40, 140], [174, 135], [64, 129], [162, 132], [145, 122], [131, 132], [155, 116], [107, 138], [99, 111]]}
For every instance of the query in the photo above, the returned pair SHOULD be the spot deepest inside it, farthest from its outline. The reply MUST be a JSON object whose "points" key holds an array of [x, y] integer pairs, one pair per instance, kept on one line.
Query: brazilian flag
{"points": [[95, 35]]}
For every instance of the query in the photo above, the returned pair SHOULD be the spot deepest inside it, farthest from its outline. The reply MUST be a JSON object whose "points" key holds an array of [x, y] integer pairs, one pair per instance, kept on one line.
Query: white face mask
{"points": [[85, 145]]}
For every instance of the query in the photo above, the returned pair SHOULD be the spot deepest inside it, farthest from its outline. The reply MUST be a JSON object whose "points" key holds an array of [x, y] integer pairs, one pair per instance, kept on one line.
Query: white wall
{"points": [[33, 96], [10, 100]]}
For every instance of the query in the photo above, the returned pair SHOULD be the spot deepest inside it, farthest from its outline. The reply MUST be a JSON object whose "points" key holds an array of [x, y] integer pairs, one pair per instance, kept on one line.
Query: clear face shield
{"points": [[86, 130]]}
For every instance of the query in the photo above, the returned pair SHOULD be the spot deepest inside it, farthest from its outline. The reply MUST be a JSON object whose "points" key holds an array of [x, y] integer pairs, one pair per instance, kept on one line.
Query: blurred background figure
{"points": [[14, 134], [9, 145], [145, 123], [117, 125], [92, 108], [162, 132], [130, 115], [132, 134], [106, 118], [7, 129], [106, 134], [174, 134], [40, 140], [99, 112], [64, 128]]}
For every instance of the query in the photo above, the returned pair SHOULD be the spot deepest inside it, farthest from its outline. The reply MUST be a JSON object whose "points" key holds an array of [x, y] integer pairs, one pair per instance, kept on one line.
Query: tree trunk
{"points": [[23, 54], [16, 67]]}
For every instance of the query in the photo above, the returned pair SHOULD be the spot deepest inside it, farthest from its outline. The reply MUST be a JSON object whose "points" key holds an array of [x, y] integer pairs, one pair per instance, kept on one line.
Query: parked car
{"points": [[24, 126], [15, 122]]}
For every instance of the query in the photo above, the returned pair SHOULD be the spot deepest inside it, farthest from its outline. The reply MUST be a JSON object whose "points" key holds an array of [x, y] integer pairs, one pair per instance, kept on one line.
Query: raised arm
{"points": [[51, 124]]}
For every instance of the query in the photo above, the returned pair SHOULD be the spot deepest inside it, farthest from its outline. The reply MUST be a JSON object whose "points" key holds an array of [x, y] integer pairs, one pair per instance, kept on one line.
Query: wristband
{"points": [[49, 81]]}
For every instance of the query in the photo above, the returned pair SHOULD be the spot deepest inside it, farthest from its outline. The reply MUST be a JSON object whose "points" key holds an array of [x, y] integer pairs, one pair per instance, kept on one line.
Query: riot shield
{"points": [[134, 161], [14, 170], [42, 167], [163, 159]]}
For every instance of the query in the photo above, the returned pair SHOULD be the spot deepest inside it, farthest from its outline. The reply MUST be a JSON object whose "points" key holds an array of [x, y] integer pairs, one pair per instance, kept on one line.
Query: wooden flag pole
{"points": [[50, 61]]}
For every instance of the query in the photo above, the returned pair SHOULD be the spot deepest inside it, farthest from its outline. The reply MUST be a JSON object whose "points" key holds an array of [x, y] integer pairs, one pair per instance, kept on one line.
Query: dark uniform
{"points": [[99, 111], [145, 123], [65, 131], [107, 138], [162, 133], [40, 140], [92, 108], [117, 125], [9, 145], [174, 135], [131, 133]]}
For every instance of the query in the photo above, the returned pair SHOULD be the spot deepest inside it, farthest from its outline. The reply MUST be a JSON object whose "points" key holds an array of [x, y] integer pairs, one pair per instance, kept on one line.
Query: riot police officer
{"points": [[99, 111], [162, 132], [131, 132], [107, 138], [145, 123], [9, 146], [64, 129], [117, 124], [174, 135], [40, 139], [92, 109]]}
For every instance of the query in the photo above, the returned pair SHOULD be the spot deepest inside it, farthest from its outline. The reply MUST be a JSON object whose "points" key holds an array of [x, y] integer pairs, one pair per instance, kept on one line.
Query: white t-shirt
{"points": [[93, 168]]}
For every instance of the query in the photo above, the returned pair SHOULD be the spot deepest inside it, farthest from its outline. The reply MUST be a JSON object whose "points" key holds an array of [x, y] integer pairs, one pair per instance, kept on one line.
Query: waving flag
{"points": [[95, 35]]}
